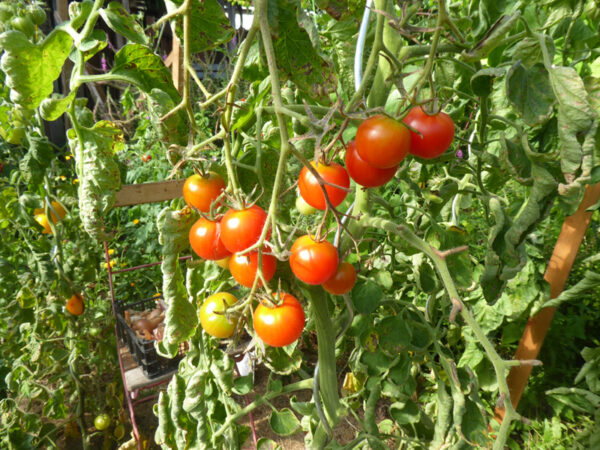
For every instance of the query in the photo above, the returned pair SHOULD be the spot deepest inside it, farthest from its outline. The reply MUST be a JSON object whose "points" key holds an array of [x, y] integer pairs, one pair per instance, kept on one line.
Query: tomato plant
{"points": [[281, 324], [241, 228], [342, 281], [212, 315], [382, 142], [102, 422], [75, 305], [206, 239], [313, 262], [243, 267], [363, 173], [201, 191], [435, 132], [311, 191]]}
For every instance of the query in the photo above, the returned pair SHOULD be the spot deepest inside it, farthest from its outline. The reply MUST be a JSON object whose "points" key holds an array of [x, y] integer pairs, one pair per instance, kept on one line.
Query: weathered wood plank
{"points": [[136, 194]]}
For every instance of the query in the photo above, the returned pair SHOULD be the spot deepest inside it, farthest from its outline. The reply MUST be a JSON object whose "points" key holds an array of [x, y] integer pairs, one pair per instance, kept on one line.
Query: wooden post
{"points": [[557, 273]]}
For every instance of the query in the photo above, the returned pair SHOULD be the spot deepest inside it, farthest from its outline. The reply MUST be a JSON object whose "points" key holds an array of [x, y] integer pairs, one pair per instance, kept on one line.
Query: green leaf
{"points": [[377, 362], [590, 282], [32, 68], [577, 125], [283, 360], [297, 59], [174, 129], [12, 123], [243, 385], [210, 27], [530, 92], [394, 334], [54, 106], [302, 408], [482, 81], [98, 173], [366, 296], [26, 297], [120, 21], [284, 422], [577, 399], [384, 278], [146, 70], [34, 164], [405, 412], [529, 52], [181, 318]]}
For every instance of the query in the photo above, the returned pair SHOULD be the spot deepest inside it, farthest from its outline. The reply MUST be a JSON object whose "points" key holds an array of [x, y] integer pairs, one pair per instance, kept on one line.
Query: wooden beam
{"points": [[557, 273], [136, 194]]}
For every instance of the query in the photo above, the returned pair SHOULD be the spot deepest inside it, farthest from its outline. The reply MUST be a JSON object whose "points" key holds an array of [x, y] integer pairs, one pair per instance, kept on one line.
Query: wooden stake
{"points": [[557, 273]]}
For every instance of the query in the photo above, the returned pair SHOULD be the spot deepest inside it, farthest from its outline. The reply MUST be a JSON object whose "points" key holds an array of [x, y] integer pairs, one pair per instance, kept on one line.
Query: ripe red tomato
{"points": [[281, 325], [437, 132], [205, 239], [212, 317], [200, 192], [313, 262], [311, 191], [342, 280], [363, 173], [382, 142], [243, 268], [75, 305], [241, 228]]}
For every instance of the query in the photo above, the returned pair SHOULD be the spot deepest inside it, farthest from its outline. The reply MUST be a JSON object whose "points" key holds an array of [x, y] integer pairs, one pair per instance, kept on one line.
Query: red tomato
{"points": [[281, 325], [437, 132], [363, 173], [313, 262], [205, 239], [342, 280], [241, 228], [243, 268], [75, 305], [382, 142], [311, 191], [200, 192]]}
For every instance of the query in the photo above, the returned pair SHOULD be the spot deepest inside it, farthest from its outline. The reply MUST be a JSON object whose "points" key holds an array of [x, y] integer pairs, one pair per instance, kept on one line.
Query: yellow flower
{"points": [[111, 251], [157, 294], [112, 264], [68, 157], [136, 221], [76, 180], [123, 264], [62, 178]]}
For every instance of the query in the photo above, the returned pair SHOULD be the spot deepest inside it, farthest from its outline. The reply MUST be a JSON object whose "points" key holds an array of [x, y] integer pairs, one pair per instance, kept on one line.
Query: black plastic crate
{"points": [[153, 365]]}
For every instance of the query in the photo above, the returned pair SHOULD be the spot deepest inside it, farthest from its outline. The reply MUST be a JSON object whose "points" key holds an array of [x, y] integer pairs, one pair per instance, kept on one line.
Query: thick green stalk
{"points": [[326, 347], [392, 41]]}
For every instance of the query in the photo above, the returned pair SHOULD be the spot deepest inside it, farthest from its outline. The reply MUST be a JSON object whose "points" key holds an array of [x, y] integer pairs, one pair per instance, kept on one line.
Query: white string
{"points": [[360, 45]]}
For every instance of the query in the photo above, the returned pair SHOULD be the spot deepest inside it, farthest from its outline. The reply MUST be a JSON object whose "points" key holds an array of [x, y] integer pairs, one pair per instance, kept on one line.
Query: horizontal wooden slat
{"points": [[136, 194]]}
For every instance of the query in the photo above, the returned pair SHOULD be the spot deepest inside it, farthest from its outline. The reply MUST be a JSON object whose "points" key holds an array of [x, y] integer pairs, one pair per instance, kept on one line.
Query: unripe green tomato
{"points": [[24, 25], [303, 207], [102, 422], [37, 14]]}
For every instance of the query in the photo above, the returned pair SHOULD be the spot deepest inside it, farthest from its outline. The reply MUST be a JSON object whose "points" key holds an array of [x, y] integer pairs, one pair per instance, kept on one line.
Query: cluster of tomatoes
{"points": [[371, 160]]}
